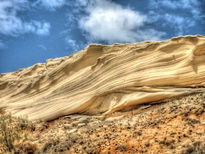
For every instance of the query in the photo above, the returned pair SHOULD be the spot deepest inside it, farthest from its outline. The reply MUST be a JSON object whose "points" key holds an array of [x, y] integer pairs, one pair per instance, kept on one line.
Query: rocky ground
{"points": [[173, 126]]}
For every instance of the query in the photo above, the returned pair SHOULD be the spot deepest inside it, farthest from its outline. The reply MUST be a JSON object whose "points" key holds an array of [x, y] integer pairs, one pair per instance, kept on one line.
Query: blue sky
{"points": [[32, 31]]}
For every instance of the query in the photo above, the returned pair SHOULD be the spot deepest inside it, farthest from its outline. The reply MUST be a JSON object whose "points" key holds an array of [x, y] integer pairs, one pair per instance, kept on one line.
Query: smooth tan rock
{"points": [[104, 79]]}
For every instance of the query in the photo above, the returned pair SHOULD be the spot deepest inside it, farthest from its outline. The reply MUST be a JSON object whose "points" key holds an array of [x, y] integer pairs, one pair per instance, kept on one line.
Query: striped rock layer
{"points": [[106, 78]]}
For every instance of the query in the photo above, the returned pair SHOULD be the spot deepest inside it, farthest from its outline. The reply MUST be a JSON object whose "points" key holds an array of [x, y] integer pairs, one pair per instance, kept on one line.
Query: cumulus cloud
{"points": [[12, 24], [52, 4], [180, 23], [108, 21]]}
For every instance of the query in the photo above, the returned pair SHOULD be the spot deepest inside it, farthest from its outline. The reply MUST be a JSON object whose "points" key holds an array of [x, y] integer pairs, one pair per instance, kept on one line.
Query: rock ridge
{"points": [[102, 79]]}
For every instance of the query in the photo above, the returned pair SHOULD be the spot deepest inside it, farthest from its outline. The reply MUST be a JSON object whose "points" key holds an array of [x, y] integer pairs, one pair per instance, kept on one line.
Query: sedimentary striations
{"points": [[106, 78]]}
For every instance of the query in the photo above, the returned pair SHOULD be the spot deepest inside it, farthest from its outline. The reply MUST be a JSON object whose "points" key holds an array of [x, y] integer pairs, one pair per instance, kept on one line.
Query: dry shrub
{"points": [[13, 134]]}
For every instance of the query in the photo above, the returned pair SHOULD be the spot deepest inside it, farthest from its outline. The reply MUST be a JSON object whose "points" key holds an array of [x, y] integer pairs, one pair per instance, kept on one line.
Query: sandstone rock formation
{"points": [[106, 78]]}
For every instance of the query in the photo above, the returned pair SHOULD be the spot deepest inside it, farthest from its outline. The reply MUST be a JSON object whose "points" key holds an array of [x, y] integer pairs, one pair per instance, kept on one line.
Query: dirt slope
{"points": [[174, 126]]}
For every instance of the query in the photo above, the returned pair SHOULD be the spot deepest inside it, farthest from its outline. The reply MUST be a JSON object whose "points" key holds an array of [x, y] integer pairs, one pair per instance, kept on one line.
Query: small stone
{"points": [[81, 124], [67, 126], [72, 130]]}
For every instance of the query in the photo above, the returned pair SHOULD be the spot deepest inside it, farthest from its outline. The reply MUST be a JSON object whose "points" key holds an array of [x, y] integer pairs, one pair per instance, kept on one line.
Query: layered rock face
{"points": [[106, 78]]}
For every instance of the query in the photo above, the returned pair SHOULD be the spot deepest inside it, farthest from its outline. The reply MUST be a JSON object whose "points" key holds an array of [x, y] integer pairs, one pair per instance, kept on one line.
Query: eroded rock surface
{"points": [[105, 79]]}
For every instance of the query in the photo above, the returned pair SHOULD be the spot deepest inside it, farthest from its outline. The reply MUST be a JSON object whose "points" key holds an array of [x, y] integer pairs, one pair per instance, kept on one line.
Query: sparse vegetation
{"points": [[195, 148], [13, 134], [176, 126]]}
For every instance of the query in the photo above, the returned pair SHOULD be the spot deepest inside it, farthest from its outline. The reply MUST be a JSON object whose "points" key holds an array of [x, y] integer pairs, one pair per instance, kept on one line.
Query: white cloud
{"points": [[108, 21], [180, 23], [82, 2], [192, 6], [74, 45], [175, 4], [40, 28], [12, 24], [52, 4]]}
